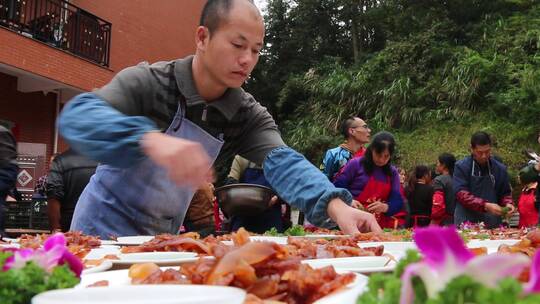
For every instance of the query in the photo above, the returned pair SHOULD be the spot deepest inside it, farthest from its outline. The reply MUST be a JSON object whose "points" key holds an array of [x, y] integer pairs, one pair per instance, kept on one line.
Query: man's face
{"points": [[359, 131], [381, 159], [231, 52], [439, 168], [428, 178], [481, 154]]}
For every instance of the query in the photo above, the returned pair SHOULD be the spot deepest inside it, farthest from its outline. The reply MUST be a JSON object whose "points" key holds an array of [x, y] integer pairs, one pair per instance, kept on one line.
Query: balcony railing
{"points": [[61, 25]]}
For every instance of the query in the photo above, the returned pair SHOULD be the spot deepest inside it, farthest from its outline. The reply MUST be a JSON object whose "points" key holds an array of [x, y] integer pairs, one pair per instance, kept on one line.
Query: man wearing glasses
{"points": [[356, 133], [481, 184]]}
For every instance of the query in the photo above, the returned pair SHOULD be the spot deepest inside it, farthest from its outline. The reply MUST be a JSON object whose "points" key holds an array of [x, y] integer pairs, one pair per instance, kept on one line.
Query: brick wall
{"points": [[144, 30], [34, 113], [41, 59]]}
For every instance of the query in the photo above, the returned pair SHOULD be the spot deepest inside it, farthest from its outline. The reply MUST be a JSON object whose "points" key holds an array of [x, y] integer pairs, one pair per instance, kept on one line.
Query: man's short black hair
{"points": [[346, 125], [480, 138], [215, 12]]}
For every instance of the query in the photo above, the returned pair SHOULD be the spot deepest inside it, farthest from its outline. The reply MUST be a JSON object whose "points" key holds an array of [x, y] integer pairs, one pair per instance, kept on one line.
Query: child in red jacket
{"points": [[528, 215]]}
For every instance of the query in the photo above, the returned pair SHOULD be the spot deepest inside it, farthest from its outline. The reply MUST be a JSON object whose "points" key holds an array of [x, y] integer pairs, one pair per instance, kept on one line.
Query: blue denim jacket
{"points": [[301, 184], [95, 129]]}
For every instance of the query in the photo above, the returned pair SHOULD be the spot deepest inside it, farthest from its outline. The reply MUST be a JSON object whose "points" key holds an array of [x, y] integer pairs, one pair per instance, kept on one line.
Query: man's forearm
{"points": [[53, 212], [506, 200], [469, 201], [97, 130], [302, 185]]}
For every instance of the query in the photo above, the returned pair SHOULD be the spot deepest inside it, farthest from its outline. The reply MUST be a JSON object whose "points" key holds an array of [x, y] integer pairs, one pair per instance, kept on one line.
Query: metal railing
{"points": [[61, 25]]}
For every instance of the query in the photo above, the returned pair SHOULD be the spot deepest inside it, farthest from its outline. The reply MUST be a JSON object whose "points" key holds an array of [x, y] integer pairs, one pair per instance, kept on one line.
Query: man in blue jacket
{"points": [[356, 133], [481, 186], [158, 128]]}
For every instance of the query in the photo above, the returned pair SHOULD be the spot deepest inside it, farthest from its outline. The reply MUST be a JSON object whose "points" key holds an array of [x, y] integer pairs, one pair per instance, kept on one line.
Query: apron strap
{"points": [[180, 113]]}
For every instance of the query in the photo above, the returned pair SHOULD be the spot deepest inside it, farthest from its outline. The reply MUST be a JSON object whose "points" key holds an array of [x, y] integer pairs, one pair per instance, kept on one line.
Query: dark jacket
{"points": [[462, 180], [69, 175], [8, 168], [8, 148]]}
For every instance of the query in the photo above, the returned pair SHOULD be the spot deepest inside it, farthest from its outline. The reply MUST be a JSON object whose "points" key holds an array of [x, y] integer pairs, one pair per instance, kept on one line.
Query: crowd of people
{"points": [[474, 189]]}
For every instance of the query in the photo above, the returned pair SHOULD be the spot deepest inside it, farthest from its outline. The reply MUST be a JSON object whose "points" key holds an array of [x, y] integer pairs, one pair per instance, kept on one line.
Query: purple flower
{"points": [[533, 286], [53, 253], [446, 257]]}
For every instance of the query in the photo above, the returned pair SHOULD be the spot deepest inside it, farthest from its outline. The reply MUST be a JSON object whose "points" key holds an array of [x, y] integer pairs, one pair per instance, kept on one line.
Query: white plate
{"points": [[282, 240], [159, 258], [11, 245], [491, 245], [133, 240], [108, 242], [162, 294], [321, 236], [118, 278], [390, 246], [99, 253], [115, 277], [356, 264], [105, 265], [349, 295]]}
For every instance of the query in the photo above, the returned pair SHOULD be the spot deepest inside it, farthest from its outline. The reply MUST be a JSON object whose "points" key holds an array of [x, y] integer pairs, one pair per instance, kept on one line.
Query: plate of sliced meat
{"points": [[93, 266], [345, 290], [365, 264], [159, 258], [390, 246], [162, 294], [133, 240]]}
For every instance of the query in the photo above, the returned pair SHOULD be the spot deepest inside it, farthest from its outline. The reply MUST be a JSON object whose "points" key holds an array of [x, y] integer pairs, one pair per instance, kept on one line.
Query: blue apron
{"points": [[483, 187], [140, 200]]}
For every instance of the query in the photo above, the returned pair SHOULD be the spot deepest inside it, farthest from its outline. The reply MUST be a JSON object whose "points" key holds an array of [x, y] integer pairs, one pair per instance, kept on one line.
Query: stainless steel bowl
{"points": [[243, 199]]}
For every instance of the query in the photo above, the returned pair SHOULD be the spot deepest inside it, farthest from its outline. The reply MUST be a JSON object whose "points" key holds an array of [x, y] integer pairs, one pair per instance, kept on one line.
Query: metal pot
{"points": [[243, 199]]}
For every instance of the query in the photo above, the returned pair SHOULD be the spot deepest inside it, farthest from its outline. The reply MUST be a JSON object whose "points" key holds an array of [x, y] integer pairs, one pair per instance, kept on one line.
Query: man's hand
{"points": [[511, 209], [351, 220], [53, 212], [185, 161], [377, 207], [494, 209], [356, 204], [273, 201]]}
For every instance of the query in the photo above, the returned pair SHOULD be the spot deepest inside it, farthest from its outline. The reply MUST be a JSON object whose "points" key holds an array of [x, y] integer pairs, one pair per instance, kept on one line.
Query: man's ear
{"points": [[202, 36]]}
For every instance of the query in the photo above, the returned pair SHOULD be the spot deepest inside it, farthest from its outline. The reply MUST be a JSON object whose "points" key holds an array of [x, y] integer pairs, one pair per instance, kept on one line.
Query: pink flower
{"points": [[18, 259], [446, 257], [53, 253], [533, 286]]}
